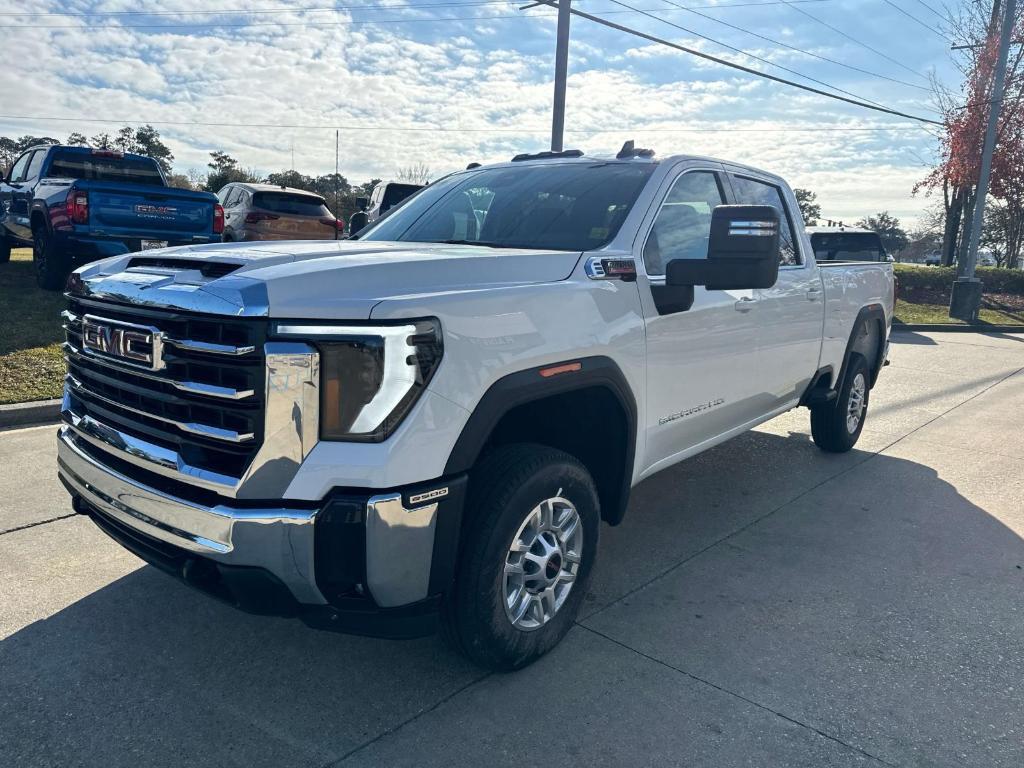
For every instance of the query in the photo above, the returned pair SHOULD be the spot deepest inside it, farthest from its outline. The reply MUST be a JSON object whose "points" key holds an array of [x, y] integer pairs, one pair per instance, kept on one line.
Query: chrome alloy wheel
{"points": [[542, 563], [855, 403]]}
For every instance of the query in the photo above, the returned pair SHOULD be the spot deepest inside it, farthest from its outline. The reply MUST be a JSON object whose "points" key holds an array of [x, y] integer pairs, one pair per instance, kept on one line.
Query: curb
{"points": [[29, 414], [957, 328]]}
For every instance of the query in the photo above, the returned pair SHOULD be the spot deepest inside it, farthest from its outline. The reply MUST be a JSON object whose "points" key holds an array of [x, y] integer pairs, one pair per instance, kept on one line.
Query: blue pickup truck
{"points": [[75, 204]]}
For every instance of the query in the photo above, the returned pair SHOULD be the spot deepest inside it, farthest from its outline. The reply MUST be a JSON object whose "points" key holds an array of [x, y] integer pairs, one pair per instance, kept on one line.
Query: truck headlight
{"points": [[370, 376]]}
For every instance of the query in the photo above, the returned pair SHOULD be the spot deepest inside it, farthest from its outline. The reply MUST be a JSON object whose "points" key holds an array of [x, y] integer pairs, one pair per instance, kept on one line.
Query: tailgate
{"points": [[139, 210]]}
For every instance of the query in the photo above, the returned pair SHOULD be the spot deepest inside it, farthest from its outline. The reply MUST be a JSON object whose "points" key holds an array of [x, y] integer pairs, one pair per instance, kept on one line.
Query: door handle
{"points": [[813, 294], [745, 304]]}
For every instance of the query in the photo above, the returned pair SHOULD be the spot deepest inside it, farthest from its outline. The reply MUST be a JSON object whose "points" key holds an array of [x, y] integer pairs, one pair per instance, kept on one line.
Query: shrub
{"points": [[941, 278]]}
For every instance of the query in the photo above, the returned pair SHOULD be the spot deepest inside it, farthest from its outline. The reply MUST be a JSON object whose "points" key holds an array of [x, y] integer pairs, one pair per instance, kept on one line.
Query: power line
{"points": [[930, 8], [751, 55], [433, 129], [852, 39], [798, 50], [114, 24], [248, 11], [748, 70], [339, 8], [914, 18]]}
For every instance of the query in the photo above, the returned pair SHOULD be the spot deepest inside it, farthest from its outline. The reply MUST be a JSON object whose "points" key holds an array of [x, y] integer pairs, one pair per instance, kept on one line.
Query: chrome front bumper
{"points": [[278, 540]]}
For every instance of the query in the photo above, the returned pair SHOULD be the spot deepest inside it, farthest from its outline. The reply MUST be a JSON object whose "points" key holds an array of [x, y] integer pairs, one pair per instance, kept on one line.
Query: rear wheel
{"points": [[52, 266], [837, 425], [529, 549]]}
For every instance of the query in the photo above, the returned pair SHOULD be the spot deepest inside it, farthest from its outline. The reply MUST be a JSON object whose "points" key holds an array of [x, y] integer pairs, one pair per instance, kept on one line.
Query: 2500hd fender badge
{"points": [[419, 498], [690, 411]]}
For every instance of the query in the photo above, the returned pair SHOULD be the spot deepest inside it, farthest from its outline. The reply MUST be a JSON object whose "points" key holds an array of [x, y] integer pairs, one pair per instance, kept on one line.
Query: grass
{"points": [[920, 313], [31, 362]]}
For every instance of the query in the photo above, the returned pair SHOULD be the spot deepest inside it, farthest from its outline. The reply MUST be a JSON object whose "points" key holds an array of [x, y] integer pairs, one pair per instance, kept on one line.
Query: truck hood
{"points": [[312, 279]]}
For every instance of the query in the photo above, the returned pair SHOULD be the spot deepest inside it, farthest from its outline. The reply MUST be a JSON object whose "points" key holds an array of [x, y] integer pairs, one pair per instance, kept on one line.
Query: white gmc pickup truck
{"points": [[425, 427]]}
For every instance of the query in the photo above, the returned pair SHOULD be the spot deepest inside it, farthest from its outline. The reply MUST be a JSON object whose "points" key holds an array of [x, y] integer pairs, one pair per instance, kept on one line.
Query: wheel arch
{"points": [[589, 412], [867, 338]]}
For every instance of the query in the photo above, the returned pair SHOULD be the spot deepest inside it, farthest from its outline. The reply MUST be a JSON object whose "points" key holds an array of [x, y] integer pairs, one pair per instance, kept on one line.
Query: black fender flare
{"points": [[868, 314], [526, 386]]}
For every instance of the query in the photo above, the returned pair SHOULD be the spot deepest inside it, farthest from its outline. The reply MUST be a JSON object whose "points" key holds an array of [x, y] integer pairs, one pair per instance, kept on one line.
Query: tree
{"points": [[1003, 233], [179, 180], [414, 174], [101, 141], [77, 140], [809, 209], [975, 29], [224, 170], [894, 238]]}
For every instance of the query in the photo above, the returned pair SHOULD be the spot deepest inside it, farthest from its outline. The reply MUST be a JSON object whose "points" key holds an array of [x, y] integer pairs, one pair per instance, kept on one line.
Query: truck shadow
{"points": [[147, 671]]}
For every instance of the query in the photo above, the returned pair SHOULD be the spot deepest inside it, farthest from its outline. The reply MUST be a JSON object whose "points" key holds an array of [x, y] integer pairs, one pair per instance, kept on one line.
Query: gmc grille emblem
{"points": [[133, 344]]}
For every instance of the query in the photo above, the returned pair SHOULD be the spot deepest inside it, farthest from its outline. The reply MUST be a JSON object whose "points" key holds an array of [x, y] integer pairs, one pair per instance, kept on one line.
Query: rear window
{"points": [[847, 246], [294, 205], [396, 193], [93, 167]]}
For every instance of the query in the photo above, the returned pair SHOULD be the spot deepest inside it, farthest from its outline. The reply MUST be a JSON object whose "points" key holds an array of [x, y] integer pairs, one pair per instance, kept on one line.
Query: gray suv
{"points": [[266, 212]]}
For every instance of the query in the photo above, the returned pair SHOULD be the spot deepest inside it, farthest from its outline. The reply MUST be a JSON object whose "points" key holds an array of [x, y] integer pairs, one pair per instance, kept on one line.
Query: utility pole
{"points": [[337, 156], [965, 300], [561, 71]]}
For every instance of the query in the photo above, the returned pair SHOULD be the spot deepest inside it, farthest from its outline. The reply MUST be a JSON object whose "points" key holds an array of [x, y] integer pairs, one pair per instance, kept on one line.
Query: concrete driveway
{"points": [[764, 604]]}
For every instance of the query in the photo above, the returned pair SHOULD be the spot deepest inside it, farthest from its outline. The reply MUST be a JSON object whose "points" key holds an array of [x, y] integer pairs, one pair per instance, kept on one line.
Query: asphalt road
{"points": [[764, 604]]}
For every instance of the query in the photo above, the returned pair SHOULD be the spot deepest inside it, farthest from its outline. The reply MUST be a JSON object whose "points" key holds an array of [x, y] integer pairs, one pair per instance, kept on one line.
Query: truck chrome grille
{"points": [[202, 396]]}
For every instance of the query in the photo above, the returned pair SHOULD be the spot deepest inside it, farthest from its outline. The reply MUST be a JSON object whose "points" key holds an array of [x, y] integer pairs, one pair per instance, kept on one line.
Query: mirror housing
{"points": [[362, 203], [743, 251]]}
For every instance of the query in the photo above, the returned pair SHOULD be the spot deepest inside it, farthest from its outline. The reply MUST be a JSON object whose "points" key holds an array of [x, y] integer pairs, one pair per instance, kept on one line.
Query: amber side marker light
{"points": [[557, 369]]}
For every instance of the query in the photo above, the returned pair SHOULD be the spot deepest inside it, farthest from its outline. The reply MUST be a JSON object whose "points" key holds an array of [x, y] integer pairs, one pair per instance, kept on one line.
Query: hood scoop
{"points": [[210, 270]]}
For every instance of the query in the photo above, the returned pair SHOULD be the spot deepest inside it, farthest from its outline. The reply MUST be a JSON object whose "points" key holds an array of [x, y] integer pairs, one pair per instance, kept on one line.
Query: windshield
{"points": [[566, 206], [295, 205], [105, 167], [847, 246]]}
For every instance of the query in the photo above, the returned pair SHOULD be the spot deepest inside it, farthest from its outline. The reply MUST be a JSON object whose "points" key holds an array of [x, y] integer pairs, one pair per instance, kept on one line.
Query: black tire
{"points": [[5, 250], [504, 488], [52, 265], [830, 425]]}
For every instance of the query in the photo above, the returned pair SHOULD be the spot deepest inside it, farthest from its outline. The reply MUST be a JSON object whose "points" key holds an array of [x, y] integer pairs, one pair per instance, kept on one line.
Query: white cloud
{"points": [[488, 83]]}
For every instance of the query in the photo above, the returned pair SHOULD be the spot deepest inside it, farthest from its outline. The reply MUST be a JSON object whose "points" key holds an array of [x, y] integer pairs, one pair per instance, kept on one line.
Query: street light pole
{"points": [[965, 300], [561, 71]]}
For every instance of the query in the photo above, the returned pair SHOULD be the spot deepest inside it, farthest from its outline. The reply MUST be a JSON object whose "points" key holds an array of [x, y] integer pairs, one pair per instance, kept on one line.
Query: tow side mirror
{"points": [[743, 251], [362, 203]]}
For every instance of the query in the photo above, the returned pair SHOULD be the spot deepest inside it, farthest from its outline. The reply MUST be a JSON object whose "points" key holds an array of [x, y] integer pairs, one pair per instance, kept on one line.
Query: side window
{"points": [[751, 192], [224, 194], [683, 224], [19, 168], [36, 164]]}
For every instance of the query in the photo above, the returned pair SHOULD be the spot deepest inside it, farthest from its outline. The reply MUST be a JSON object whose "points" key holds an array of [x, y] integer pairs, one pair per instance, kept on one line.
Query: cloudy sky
{"points": [[447, 82]]}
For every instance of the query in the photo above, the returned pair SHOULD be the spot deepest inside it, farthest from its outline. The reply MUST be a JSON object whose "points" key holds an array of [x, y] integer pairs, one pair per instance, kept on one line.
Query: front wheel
{"points": [[529, 548], [52, 266], [837, 425]]}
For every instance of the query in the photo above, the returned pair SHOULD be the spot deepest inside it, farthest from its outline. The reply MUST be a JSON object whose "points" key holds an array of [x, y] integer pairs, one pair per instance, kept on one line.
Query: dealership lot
{"points": [[763, 604]]}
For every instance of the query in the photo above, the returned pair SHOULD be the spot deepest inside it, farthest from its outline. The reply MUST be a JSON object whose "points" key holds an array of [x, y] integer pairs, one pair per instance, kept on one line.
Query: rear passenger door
{"points": [[790, 313], [701, 360], [13, 211]]}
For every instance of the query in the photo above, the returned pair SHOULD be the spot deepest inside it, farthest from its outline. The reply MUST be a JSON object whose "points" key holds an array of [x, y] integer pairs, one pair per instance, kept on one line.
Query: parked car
{"points": [[933, 259], [846, 244], [267, 212], [426, 426], [75, 204], [386, 196]]}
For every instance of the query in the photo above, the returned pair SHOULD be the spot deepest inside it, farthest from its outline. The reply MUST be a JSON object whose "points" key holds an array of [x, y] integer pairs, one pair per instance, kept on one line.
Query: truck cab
{"points": [[426, 428]]}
